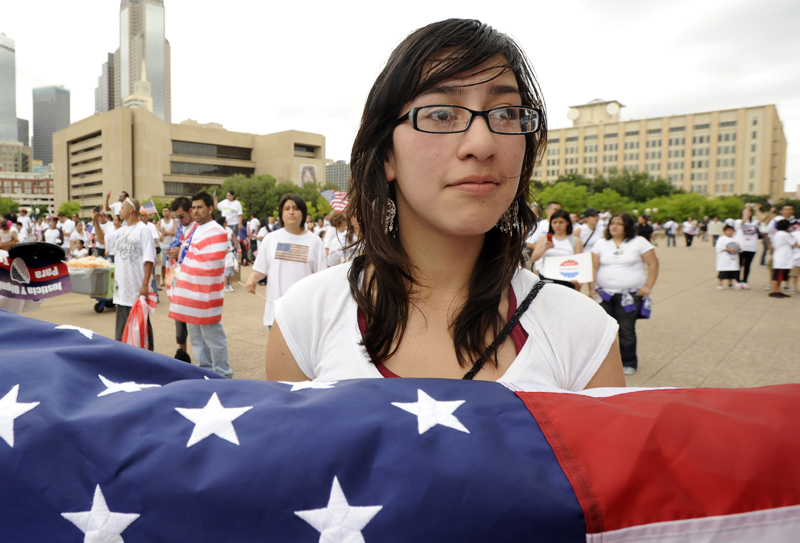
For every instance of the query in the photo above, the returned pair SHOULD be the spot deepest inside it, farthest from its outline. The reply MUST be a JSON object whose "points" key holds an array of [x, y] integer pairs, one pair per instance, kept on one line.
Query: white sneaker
{"points": [[720, 287], [627, 370], [745, 286], [768, 287]]}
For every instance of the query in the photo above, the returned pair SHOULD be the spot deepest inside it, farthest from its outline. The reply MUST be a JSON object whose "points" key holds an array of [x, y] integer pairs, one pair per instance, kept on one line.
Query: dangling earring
{"points": [[391, 212], [509, 219]]}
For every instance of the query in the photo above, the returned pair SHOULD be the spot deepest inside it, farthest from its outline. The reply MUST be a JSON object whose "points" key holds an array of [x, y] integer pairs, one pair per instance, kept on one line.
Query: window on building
{"points": [[755, 121], [592, 137], [727, 124], [677, 129], [753, 148], [554, 140], [208, 170], [654, 131], [611, 135], [755, 134]]}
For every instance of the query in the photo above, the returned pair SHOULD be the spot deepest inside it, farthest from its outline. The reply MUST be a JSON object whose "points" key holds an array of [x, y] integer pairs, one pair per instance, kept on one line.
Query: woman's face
{"points": [[292, 216], [79, 226], [559, 226], [617, 227], [458, 184]]}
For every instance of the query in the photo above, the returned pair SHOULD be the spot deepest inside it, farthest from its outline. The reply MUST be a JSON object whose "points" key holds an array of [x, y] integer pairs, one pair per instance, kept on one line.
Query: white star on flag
{"points": [[213, 419], [10, 410], [429, 412], [340, 522], [128, 386], [84, 331], [302, 385], [101, 525]]}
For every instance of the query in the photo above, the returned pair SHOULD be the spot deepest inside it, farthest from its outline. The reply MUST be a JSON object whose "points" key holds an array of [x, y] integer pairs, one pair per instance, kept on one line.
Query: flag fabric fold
{"points": [[135, 332], [95, 430]]}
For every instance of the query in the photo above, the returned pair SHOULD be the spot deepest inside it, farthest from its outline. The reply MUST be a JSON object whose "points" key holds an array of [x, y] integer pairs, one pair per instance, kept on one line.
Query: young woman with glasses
{"points": [[449, 137]]}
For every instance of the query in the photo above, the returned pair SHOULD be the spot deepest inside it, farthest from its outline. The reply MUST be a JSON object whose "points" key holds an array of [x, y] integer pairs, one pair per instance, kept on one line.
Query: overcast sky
{"points": [[263, 67]]}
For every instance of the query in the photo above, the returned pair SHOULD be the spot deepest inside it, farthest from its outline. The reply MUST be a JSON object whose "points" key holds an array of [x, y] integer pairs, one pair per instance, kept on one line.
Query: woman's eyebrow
{"points": [[460, 90]]}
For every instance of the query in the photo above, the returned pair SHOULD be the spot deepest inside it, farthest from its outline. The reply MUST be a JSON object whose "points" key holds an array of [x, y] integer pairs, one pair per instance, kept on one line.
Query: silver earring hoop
{"points": [[509, 219], [391, 213]]}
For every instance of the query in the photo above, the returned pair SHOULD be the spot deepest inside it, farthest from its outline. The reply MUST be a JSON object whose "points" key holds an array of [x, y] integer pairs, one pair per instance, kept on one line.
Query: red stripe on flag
{"points": [[196, 304], [666, 455]]}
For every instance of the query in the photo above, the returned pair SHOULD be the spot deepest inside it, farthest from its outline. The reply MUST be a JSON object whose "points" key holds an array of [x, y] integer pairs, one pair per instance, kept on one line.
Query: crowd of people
{"points": [[395, 286]]}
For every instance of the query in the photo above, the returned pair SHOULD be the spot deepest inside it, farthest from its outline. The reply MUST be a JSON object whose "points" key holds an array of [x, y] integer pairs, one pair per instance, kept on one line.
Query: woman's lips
{"points": [[476, 185]]}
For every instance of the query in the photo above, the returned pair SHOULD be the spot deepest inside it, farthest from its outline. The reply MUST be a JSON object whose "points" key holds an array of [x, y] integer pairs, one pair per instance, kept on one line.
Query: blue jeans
{"points": [[210, 346], [671, 237]]}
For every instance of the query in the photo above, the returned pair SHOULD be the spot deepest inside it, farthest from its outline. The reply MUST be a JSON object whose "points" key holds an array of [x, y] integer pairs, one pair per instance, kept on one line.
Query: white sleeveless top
{"points": [[169, 233], [569, 335]]}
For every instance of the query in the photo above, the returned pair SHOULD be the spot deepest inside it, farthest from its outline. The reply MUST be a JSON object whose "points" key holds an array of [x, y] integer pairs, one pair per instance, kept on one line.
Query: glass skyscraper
{"points": [[142, 37], [8, 89], [50, 114]]}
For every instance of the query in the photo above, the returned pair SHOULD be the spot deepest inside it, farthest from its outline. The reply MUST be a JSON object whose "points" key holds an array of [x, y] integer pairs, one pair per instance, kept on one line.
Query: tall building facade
{"points": [[50, 114], [719, 153], [142, 37], [15, 157], [23, 132], [338, 173], [8, 89], [133, 150], [142, 94], [104, 93]]}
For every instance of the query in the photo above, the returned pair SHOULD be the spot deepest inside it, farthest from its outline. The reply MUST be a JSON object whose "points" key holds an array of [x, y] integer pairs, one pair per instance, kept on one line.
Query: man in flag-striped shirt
{"points": [[198, 294]]}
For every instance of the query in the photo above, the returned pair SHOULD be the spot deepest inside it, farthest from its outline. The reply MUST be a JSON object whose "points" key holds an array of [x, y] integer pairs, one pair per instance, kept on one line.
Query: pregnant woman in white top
{"points": [[558, 242], [451, 132]]}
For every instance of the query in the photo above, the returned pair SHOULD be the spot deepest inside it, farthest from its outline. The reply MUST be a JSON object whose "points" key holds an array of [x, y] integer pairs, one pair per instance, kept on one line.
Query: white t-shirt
{"points": [[796, 250], [231, 237], [68, 226], [82, 253], [727, 261], [592, 238], [670, 227], [542, 227], [25, 221], [285, 259], [115, 208], [621, 268], [689, 228], [231, 211], [569, 335], [335, 242], [747, 235], [561, 247], [111, 240], [169, 232], [254, 225], [52, 235], [153, 231], [134, 247], [262, 233], [75, 236], [782, 257], [107, 227]]}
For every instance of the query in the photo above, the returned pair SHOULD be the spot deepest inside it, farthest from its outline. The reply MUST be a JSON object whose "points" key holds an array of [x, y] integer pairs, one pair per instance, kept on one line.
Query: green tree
{"points": [[68, 208], [571, 197], [7, 205], [609, 199]]}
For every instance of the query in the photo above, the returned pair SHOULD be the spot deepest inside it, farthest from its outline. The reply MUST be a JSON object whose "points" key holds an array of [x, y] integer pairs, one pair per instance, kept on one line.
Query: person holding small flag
{"points": [[288, 255], [197, 298], [175, 252]]}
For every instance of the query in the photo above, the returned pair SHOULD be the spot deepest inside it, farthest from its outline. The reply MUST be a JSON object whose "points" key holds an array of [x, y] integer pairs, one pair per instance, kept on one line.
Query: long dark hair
{"points": [[301, 205], [560, 214], [384, 293], [627, 222]]}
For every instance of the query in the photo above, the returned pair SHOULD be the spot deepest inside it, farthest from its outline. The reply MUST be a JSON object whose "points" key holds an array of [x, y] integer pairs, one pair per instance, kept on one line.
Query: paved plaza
{"points": [[697, 336]]}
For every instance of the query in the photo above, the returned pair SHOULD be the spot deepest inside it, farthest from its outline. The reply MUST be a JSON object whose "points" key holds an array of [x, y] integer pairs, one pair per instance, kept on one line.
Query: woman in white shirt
{"points": [[620, 279], [54, 234], [287, 256], [77, 235], [451, 132], [337, 239], [747, 238], [166, 231], [689, 228], [559, 241]]}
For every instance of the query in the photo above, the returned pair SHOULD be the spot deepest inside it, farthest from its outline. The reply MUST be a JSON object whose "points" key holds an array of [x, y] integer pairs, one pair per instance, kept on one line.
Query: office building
{"points": [[23, 135], [133, 150], [142, 38], [104, 93], [28, 189], [719, 153], [142, 94], [338, 173], [50, 114], [8, 89], [15, 157]]}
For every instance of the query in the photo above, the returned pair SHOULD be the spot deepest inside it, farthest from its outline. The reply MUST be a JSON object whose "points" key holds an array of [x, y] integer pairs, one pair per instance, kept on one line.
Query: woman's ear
{"points": [[389, 167]]}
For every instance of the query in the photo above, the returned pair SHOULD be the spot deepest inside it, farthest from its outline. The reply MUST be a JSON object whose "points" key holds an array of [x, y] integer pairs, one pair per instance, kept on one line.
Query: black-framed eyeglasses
{"points": [[448, 119]]}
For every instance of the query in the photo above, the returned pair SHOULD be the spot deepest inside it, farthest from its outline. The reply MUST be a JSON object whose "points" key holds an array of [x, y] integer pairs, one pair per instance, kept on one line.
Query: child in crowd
{"points": [[727, 258], [230, 255], [80, 250], [782, 258]]}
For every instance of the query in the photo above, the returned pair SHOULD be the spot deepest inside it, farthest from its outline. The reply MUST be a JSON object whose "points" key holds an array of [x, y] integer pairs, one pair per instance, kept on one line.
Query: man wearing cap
{"points": [[135, 256], [590, 231]]}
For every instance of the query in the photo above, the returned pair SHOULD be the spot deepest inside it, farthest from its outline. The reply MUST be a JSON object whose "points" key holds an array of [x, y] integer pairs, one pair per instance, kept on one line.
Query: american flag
{"points": [[150, 208], [292, 251], [100, 441], [338, 200]]}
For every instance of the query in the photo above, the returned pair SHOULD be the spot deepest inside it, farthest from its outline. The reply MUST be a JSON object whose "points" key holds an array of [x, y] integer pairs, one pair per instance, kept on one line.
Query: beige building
{"points": [[15, 157], [28, 189], [133, 150], [734, 151]]}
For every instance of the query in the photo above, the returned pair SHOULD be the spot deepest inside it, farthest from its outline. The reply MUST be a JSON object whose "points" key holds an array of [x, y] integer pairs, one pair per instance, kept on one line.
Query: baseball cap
{"points": [[590, 212]]}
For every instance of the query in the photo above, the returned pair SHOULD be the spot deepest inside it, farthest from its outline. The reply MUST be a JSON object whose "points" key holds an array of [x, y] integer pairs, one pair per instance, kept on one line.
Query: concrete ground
{"points": [[697, 336]]}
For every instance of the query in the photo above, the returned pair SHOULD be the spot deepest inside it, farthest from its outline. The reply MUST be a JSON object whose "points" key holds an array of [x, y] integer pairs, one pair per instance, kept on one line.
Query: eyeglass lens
{"points": [[505, 120]]}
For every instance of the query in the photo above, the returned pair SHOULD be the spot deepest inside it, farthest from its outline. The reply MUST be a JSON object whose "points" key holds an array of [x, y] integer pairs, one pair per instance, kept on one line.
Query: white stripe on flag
{"points": [[772, 525]]}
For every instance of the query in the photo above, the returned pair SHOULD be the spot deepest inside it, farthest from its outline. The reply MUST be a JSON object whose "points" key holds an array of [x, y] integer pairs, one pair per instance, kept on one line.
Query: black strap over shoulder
{"points": [[501, 337]]}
